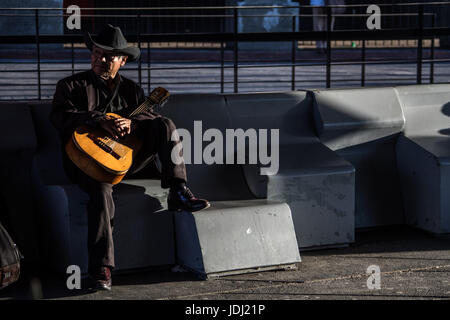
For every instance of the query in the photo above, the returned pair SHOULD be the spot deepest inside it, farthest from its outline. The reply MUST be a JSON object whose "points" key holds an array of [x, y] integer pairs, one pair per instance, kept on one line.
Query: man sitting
{"points": [[84, 99]]}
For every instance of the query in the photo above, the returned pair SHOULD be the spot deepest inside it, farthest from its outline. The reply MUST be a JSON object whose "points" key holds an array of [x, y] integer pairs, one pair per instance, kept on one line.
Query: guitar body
{"points": [[102, 157], [99, 155]]}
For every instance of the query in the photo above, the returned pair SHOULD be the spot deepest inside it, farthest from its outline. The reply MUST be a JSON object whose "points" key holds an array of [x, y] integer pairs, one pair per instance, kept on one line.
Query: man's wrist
{"points": [[134, 125]]}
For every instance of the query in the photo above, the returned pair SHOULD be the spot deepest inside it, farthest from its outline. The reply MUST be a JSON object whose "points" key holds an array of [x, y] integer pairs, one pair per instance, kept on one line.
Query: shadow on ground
{"points": [[390, 239], [413, 246], [46, 286]]}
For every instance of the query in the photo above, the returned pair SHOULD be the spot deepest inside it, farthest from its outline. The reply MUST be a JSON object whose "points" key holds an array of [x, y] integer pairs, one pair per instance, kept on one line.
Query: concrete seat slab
{"points": [[347, 117], [236, 237], [312, 179], [423, 156], [362, 126], [143, 227]]}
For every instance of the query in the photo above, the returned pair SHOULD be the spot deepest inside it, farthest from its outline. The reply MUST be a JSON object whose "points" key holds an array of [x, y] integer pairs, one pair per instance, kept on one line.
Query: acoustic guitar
{"points": [[102, 157]]}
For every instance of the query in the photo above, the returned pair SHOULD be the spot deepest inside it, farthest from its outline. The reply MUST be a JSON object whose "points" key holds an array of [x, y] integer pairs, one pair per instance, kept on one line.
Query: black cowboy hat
{"points": [[112, 39]]}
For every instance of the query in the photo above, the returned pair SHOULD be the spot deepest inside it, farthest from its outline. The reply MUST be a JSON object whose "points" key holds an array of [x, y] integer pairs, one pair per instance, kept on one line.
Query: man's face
{"points": [[105, 63]]}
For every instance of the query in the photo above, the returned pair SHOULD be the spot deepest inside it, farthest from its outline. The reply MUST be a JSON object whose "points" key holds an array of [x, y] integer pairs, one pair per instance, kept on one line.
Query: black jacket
{"points": [[83, 98]]}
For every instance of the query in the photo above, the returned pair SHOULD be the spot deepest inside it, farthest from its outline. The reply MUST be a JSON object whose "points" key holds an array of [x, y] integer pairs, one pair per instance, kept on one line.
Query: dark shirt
{"points": [[84, 98]]}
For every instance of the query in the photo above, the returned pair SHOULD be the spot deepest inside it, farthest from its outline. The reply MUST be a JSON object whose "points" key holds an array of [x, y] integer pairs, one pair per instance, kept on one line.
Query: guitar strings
{"points": [[145, 104], [141, 108]]}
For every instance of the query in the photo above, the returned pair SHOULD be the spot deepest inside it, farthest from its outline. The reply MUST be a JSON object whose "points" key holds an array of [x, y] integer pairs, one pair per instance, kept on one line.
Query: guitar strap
{"points": [[107, 102]]}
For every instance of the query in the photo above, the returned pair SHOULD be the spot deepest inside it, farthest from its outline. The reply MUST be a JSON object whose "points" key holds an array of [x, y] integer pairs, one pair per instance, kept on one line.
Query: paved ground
{"points": [[413, 265]]}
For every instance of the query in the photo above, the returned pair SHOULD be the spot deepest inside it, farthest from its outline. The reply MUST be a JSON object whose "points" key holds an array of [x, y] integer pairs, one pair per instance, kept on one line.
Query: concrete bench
{"points": [[235, 237], [143, 228], [17, 146], [362, 126], [211, 181], [397, 140], [423, 155], [232, 203], [316, 183]]}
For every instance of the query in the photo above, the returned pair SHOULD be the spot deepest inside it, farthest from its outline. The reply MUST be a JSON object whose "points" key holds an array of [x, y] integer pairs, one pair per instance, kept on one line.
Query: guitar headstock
{"points": [[159, 96]]}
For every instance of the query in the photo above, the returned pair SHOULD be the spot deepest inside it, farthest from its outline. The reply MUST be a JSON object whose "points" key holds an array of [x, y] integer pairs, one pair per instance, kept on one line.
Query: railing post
{"points": [[433, 24], [235, 59], [222, 58], [293, 56], [363, 65], [419, 45], [38, 49], [148, 68], [72, 53], [139, 46], [328, 84]]}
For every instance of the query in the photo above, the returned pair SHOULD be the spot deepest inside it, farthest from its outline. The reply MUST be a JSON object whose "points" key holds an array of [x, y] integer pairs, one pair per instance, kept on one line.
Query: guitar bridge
{"points": [[104, 147]]}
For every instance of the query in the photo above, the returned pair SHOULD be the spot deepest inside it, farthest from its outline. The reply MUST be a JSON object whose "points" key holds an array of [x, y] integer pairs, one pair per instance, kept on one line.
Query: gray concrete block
{"points": [[347, 117], [423, 156], [289, 112], [225, 181], [18, 131], [309, 172], [322, 205], [424, 185], [236, 237], [319, 187], [143, 228], [63, 235], [49, 146], [17, 146], [426, 109], [378, 198], [362, 126]]}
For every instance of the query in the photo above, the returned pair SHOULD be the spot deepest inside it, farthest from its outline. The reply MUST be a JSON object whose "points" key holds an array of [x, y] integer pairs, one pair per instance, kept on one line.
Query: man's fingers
{"points": [[111, 129], [121, 121], [112, 133], [123, 125]]}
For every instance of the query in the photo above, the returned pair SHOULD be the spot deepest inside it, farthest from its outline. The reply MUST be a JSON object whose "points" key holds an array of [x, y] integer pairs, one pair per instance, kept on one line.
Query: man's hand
{"points": [[117, 127], [123, 126]]}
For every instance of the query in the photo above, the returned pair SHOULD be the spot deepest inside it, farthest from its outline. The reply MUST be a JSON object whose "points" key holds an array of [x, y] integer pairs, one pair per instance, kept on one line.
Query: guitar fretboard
{"points": [[157, 97], [146, 104]]}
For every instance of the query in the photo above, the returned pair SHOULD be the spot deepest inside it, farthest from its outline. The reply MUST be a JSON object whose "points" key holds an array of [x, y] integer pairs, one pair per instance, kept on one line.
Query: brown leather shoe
{"points": [[102, 279]]}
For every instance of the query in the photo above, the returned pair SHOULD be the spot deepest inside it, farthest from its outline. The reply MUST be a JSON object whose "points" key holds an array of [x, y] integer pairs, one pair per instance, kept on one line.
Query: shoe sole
{"points": [[179, 210], [101, 288]]}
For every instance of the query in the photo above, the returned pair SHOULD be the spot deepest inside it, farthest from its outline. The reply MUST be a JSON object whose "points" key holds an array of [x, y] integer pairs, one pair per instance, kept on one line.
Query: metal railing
{"points": [[228, 45]]}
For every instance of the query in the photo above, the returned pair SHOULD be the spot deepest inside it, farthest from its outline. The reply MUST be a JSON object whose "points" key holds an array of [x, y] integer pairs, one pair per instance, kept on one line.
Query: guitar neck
{"points": [[157, 98], [145, 105]]}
